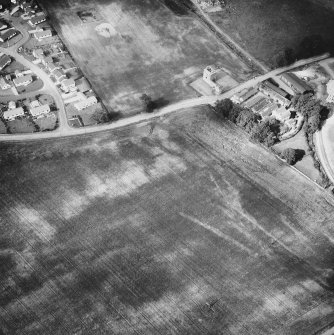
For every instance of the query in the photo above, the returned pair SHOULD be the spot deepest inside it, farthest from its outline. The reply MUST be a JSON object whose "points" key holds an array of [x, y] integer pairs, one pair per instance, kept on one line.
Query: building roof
{"points": [[278, 90], [39, 53], [3, 82], [58, 74], [38, 19], [330, 87], [13, 112], [22, 80], [296, 83], [43, 34], [4, 60], [52, 66], [39, 110], [8, 34], [83, 103], [68, 82]]}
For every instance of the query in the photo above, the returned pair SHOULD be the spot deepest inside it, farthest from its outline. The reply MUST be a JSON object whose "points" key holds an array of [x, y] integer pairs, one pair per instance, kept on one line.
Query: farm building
{"points": [[80, 105], [22, 81], [298, 85], [330, 91], [11, 114], [248, 95], [281, 114], [4, 61], [37, 20], [4, 84], [68, 85], [39, 110], [210, 76], [59, 75], [40, 35], [3, 25], [275, 93], [7, 35]]}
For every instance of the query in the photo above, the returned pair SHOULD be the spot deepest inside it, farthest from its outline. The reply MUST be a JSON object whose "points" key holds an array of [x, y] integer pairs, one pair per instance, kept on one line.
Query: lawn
{"points": [[306, 165], [126, 48], [179, 227], [266, 27], [3, 129], [23, 125], [46, 123]]}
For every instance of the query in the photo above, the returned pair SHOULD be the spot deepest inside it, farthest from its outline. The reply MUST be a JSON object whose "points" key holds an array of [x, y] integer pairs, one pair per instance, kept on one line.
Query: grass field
{"points": [[266, 27], [145, 47], [189, 229]]}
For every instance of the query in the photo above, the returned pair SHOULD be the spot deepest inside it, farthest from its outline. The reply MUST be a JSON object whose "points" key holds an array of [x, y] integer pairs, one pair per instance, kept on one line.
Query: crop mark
{"points": [[216, 232]]}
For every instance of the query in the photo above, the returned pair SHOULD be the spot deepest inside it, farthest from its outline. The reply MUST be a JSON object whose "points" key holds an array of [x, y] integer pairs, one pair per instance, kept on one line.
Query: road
{"points": [[324, 139], [189, 103]]}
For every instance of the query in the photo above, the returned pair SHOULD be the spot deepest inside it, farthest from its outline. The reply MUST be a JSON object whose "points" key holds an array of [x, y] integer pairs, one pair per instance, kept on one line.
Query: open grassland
{"points": [[189, 229], [266, 27], [132, 47]]}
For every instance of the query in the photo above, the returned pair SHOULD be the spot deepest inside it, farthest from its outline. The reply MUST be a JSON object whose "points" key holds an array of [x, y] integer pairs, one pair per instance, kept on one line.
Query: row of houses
{"points": [[35, 110], [8, 34]]}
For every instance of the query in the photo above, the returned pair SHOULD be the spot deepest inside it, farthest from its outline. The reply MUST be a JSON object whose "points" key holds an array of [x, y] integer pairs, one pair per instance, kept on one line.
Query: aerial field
{"points": [[127, 48], [179, 227], [267, 27]]}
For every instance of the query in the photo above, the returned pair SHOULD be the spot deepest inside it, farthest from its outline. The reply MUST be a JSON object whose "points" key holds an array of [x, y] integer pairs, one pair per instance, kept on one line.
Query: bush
{"points": [[292, 156]]}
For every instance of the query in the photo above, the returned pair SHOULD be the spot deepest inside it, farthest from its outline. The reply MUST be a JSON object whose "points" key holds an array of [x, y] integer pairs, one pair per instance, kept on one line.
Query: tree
{"points": [[266, 132], [148, 103], [292, 156], [104, 115], [248, 120], [224, 107], [284, 58]]}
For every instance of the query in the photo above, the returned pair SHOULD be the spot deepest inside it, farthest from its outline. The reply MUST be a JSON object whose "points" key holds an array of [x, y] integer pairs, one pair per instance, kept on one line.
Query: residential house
{"points": [[68, 85], [11, 114], [4, 84], [47, 60], [37, 20], [7, 35], [297, 84], [53, 67], [22, 81], [38, 53], [34, 104], [40, 110], [40, 35], [11, 105], [4, 61], [80, 105], [59, 75]]}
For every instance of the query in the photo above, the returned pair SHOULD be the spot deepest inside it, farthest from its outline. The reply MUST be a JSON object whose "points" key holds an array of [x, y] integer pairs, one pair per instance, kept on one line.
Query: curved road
{"points": [[65, 130]]}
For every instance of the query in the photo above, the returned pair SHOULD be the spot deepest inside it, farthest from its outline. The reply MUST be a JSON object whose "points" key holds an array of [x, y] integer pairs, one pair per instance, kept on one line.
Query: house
{"points": [[7, 35], [80, 105], [40, 110], [210, 75], [4, 84], [37, 20], [82, 84], [275, 93], [3, 25], [330, 91], [52, 67], [281, 114], [11, 105], [22, 81], [68, 85], [40, 35], [297, 85], [38, 53], [47, 60], [4, 61], [59, 75], [34, 104], [11, 114]]}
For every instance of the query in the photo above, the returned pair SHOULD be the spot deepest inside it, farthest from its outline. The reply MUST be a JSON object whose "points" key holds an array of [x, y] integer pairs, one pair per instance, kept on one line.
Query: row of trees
{"points": [[265, 132]]}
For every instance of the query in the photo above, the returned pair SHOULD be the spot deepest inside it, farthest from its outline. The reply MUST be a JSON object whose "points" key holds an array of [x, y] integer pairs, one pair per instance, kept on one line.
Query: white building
{"points": [[22, 81], [68, 85], [11, 105], [11, 114], [330, 91], [210, 75], [40, 110], [40, 35], [80, 105]]}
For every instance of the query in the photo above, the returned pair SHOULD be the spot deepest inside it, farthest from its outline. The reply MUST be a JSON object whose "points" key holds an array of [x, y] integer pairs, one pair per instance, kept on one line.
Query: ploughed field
{"points": [[177, 227], [127, 48], [268, 27]]}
